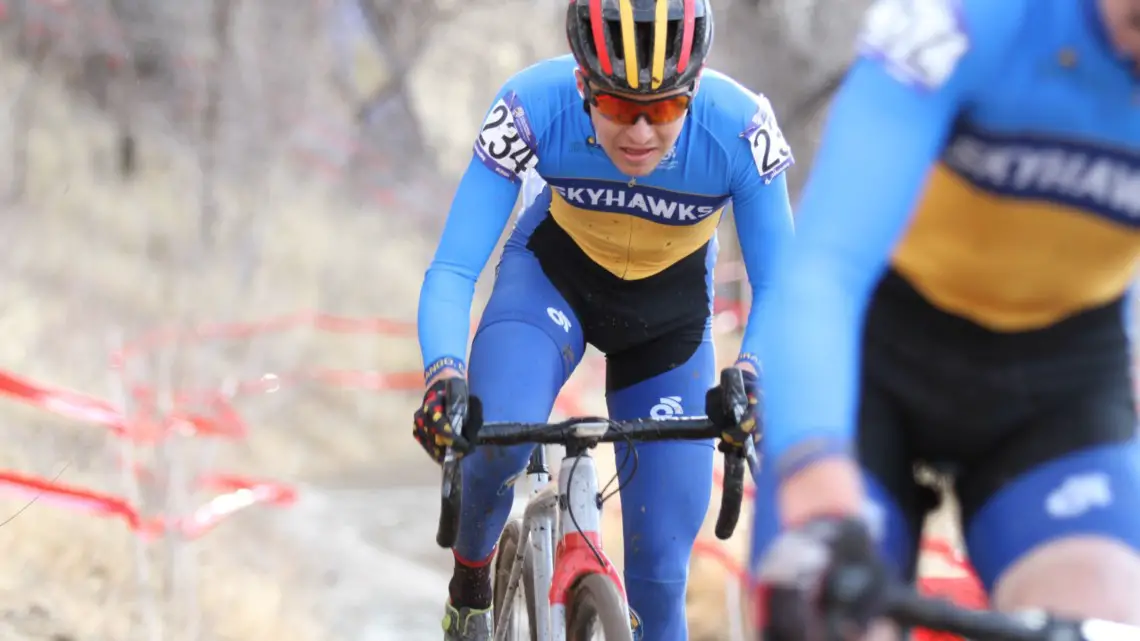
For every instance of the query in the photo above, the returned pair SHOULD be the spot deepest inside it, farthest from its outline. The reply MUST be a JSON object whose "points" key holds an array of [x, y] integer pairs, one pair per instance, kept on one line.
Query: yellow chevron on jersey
{"points": [[1016, 232], [633, 231]]}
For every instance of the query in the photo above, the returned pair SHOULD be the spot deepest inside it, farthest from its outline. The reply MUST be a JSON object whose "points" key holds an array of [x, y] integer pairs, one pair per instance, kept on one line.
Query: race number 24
{"points": [[919, 41], [500, 144]]}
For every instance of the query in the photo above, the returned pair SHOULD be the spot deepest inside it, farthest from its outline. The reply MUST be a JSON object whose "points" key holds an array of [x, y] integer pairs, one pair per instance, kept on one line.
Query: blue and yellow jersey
{"points": [[730, 150], [989, 153]]}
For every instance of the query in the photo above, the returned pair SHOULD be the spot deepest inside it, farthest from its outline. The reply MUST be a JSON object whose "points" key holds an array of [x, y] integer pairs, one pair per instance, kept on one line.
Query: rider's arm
{"points": [[506, 148], [479, 212], [763, 215], [886, 128]]}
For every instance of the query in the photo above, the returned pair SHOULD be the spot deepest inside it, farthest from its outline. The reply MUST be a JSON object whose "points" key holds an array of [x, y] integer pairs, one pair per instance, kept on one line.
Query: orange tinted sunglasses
{"points": [[626, 111]]}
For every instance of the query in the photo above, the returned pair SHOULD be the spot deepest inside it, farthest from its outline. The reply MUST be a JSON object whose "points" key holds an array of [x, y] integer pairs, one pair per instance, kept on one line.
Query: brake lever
{"points": [[736, 398], [450, 460], [752, 457], [448, 468], [732, 382]]}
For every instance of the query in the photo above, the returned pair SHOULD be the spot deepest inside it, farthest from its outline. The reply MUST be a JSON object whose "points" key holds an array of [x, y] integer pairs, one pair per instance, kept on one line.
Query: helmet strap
{"points": [[585, 92]]}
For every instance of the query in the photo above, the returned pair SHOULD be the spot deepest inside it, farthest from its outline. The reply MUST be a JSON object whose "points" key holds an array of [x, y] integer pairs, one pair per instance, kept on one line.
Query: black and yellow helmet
{"points": [[640, 46]]}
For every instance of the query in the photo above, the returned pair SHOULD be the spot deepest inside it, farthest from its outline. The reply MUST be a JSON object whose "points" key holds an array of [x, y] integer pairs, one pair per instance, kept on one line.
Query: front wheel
{"points": [[520, 624], [596, 607]]}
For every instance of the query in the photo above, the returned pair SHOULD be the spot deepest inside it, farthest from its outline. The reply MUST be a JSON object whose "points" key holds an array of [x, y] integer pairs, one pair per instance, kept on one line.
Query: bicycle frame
{"points": [[557, 565]]}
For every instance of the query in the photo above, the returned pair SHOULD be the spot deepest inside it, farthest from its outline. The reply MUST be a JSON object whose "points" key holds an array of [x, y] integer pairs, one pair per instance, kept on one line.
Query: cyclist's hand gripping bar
{"points": [[732, 494]]}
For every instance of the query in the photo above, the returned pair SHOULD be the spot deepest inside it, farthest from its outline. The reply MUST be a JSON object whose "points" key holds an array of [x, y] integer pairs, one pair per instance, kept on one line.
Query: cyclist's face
{"points": [[1122, 19], [636, 149]]}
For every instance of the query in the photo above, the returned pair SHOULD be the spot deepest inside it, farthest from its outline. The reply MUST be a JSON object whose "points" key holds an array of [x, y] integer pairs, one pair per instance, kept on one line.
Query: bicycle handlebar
{"points": [[908, 608], [595, 429], [592, 430]]}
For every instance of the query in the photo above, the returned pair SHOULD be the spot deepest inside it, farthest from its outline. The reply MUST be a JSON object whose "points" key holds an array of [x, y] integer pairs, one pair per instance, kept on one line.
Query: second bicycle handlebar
{"points": [[908, 608], [592, 430]]}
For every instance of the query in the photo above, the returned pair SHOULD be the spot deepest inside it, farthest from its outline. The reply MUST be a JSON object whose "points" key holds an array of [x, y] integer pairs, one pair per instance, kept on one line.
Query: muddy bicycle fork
{"points": [[572, 506]]}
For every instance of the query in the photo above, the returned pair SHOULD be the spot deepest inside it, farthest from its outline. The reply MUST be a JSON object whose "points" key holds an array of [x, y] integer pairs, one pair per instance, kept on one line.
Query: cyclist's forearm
{"points": [[480, 210], [764, 228], [811, 349], [443, 320], [810, 341]]}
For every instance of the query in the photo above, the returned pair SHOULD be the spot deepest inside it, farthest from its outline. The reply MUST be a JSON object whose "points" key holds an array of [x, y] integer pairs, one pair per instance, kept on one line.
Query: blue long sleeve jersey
{"points": [[989, 153], [730, 149]]}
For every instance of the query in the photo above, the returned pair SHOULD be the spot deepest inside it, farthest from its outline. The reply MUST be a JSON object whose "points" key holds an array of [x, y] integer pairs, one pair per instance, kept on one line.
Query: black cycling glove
{"points": [[822, 580], [734, 406], [447, 415]]}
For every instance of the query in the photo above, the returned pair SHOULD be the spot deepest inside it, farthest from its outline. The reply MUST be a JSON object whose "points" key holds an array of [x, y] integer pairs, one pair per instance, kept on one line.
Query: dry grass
{"points": [[86, 257]]}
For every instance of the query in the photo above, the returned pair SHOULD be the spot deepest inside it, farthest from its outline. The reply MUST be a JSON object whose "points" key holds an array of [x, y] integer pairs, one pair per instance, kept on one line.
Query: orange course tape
{"points": [[240, 493], [221, 419]]}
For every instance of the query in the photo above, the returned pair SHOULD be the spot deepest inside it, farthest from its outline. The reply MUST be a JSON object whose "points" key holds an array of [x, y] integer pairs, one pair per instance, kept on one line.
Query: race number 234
{"points": [[499, 139]]}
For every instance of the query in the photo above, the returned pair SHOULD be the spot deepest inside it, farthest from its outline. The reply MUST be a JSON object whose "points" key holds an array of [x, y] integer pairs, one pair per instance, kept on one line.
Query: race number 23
{"points": [[501, 145]]}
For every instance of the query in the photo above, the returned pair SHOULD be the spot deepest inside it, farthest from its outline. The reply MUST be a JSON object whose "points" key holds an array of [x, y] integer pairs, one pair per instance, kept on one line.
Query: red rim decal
{"points": [[688, 26], [598, 26]]}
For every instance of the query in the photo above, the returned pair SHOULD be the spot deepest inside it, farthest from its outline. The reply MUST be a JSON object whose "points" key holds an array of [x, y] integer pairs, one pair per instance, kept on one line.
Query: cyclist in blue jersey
{"points": [[638, 150], [955, 299]]}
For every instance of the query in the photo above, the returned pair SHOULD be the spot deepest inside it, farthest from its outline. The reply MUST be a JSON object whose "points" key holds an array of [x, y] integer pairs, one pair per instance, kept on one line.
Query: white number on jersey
{"points": [[501, 147], [920, 41], [770, 149]]}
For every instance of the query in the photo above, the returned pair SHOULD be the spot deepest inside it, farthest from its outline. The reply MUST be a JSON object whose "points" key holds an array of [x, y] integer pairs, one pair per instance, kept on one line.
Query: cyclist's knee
{"points": [[1078, 576], [663, 510], [517, 370], [495, 465], [660, 561]]}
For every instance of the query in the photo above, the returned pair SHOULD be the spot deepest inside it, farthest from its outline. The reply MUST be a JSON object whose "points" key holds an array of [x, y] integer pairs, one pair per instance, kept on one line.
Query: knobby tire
{"points": [[596, 604]]}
